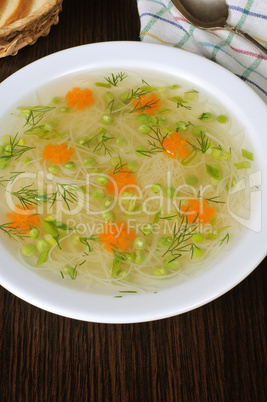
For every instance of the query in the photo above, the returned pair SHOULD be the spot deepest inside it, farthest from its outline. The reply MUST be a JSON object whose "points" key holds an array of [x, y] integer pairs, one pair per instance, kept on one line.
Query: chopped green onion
{"points": [[247, 154], [142, 118], [43, 257], [181, 125], [190, 95], [242, 165], [49, 228], [147, 229], [213, 171], [102, 84], [50, 239]]}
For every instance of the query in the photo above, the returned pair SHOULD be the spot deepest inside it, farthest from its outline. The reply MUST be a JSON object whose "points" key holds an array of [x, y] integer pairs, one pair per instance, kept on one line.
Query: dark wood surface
{"points": [[215, 353]]}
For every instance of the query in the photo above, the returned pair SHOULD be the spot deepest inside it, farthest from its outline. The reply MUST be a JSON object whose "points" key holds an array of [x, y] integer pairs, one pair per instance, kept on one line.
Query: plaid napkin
{"points": [[162, 23]]}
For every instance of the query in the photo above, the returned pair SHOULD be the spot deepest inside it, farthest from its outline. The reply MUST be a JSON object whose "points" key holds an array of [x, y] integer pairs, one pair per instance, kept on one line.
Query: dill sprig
{"points": [[181, 238], [203, 143], [148, 105], [103, 146], [14, 232], [156, 143], [86, 240], [226, 238], [15, 149], [36, 113], [31, 196], [115, 79], [119, 167]]}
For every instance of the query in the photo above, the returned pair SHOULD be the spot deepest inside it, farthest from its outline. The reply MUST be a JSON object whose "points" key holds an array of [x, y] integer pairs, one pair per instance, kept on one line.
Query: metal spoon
{"points": [[211, 15]]}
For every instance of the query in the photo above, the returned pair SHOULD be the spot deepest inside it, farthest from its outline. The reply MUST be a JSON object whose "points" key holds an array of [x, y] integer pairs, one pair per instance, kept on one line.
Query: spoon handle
{"points": [[244, 35]]}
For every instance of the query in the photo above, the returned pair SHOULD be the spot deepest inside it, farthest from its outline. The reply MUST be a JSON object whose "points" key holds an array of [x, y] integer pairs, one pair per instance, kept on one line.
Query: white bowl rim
{"points": [[199, 290]]}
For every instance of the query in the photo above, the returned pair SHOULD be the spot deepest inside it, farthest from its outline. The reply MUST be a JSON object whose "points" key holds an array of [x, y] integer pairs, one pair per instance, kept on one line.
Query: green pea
{"points": [[147, 229], [153, 120], [144, 129], [56, 100], [75, 239], [108, 216], [197, 237], [130, 257], [222, 118], [121, 142], [139, 256], [7, 150], [34, 233], [28, 250], [165, 241], [3, 164], [171, 263], [169, 192], [83, 140], [96, 170], [7, 139], [191, 180], [139, 149], [125, 97], [181, 125], [107, 202], [107, 119], [98, 194], [197, 130], [26, 160], [21, 141], [133, 166], [50, 239], [1, 149], [140, 243], [70, 166], [206, 116], [102, 180], [198, 252], [115, 161], [142, 118], [156, 188], [108, 96], [162, 121], [160, 271], [42, 245], [64, 109], [54, 169], [88, 162]]}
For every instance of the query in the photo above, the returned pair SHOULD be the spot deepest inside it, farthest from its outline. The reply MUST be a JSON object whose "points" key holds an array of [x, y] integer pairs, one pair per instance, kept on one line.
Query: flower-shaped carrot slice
{"points": [[198, 211], [25, 219], [147, 105], [121, 180], [117, 236], [175, 144], [79, 98], [60, 153]]}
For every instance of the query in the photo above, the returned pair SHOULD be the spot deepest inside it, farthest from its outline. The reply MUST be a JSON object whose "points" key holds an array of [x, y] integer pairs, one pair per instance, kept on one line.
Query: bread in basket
{"points": [[22, 22]]}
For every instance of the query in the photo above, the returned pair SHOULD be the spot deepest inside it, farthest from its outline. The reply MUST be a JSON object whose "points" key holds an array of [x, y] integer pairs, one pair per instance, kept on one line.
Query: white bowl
{"points": [[249, 251]]}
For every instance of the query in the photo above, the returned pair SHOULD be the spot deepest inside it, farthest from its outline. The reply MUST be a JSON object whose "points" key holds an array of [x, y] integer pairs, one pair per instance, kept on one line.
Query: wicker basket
{"points": [[27, 30]]}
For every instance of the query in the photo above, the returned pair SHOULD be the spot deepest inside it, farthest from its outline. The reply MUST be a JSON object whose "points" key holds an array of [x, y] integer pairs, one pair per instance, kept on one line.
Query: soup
{"points": [[122, 181]]}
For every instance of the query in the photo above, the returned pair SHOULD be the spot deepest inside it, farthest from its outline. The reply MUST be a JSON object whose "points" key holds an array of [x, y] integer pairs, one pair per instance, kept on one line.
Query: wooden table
{"points": [[215, 353]]}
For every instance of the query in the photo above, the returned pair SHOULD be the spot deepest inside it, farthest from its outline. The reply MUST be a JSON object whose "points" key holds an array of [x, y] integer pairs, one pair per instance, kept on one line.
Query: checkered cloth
{"points": [[162, 23]]}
